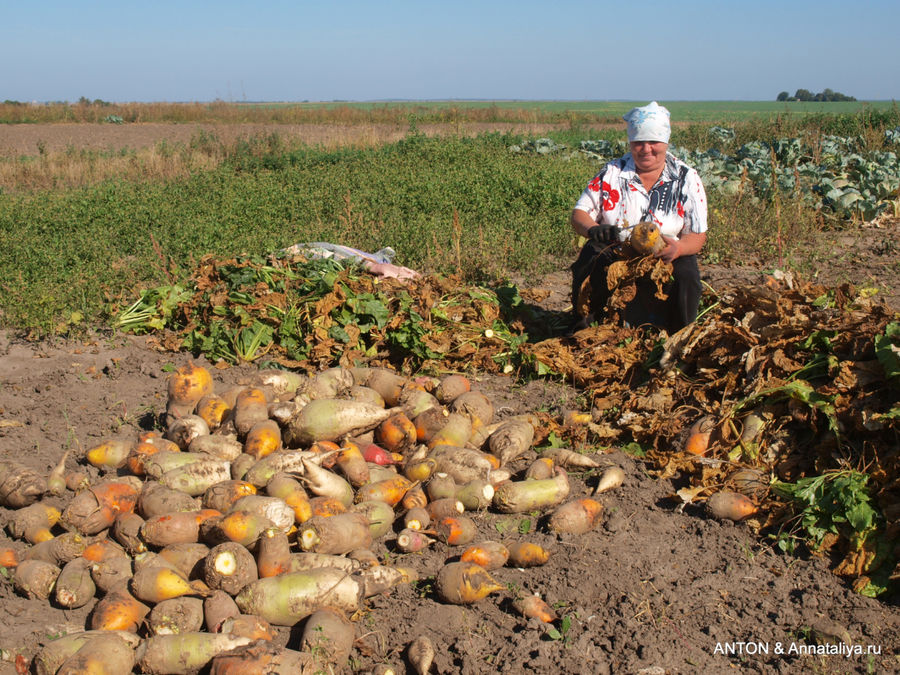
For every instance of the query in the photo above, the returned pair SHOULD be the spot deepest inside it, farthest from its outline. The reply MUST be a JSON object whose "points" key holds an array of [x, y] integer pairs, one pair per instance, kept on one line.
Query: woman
{"points": [[648, 183]]}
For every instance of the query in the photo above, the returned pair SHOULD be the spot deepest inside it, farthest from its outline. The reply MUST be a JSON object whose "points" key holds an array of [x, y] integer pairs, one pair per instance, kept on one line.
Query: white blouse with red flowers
{"points": [[616, 196]]}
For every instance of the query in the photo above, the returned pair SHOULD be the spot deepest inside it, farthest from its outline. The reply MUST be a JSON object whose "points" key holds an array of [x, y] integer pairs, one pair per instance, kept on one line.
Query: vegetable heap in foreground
{"points": [[272, 504]]}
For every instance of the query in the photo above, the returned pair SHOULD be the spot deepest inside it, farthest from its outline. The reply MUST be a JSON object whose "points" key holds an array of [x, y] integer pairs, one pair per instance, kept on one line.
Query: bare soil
{"points": [[654, 589]]}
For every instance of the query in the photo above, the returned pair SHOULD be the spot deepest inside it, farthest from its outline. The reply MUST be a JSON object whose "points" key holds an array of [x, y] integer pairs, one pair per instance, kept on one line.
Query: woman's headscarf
{"points": [[648, 123]]}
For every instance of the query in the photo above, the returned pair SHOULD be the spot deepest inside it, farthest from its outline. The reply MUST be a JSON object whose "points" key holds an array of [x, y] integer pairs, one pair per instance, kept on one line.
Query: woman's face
{"points": [[649, 155]]}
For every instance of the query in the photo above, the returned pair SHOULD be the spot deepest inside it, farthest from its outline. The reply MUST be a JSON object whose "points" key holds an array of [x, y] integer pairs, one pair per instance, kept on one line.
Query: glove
{"points": [[603, 234]]}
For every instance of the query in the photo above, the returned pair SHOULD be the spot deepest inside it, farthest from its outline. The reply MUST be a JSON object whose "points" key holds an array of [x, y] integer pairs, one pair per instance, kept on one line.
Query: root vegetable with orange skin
{"points": [[452, 386], [511, 440], [329, 635], [223, 495], [20, 485], [464, 583], [104, 549], [273, 553], [155, 584], [149, 445], [456, 530], [118, 610], [645, 238], [101, 655], [177, 615], [429, 422], [110, 454], [325, 506], [421, 469], [35, 578], [188, 384], [288, 488], [59, 550], [396, 434], [541, 468], [490, 555], [9, 557], [576, 517], [414, 498], [380, 515], [412, 541], [242, 527], [352, 464], [734, 506], [533, 607], [183, 653], [262, 658], [389, 491], [286, 599], [336, 535], [529, 495], [213, 409], [229, 567], [526, 554], [273, 508], [34, 518], [159, 500], [263, 439], [697, 442], [250, 408]]}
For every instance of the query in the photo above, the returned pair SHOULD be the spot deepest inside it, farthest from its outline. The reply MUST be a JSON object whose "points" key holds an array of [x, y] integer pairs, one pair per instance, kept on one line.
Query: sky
{"points": [[357, 50]]}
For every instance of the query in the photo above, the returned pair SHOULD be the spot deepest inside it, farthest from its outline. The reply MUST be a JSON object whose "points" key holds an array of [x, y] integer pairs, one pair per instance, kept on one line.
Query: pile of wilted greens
{"points": [[784, 390]]}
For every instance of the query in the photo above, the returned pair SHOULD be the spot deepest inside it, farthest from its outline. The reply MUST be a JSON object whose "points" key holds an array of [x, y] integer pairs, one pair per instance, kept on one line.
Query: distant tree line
{"points": [[807, 95]]}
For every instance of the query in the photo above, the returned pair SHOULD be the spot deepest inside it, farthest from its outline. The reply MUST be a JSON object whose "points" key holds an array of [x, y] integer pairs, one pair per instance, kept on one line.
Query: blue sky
{"points": [[355, 50]]}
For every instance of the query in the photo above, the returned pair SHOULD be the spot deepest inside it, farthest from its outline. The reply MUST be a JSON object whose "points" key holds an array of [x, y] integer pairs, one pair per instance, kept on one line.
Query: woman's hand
{"points": [[671, 251], [689, 244]]}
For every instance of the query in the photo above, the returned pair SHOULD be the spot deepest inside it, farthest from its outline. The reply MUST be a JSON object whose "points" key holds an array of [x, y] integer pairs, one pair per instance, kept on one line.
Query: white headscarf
{"points": [[648, 123]]}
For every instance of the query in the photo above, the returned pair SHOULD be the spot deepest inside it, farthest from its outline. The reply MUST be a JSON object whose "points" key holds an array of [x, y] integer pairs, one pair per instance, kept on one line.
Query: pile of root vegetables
{"points": [[264, 505]]}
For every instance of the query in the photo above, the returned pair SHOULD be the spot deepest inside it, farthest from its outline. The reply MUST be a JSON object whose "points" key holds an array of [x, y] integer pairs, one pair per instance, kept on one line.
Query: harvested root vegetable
{"points": [[213, 409], [511, 440], [490, 555], [56, 481], [103, 549], [110, 454], [464, 583], [389, 491], [441, 486], [452, 386], [159, 500], [249, 626], [155, 584], [521, 496], [645, 238], [610, 479], [229, 567], [533, 607], [96, 508], [226, 447], [288, 488], [53, 654], [59, 550], [111, 572], [286, 599], [242, 527], [455, 431], [325, 506], [118, 610], [74, 586], [456, 530], [37, 517], [526, 554], [263, 439], [250, 408], [9, 557], [463, 464], [376, 578], [20, 485], [379, 514], [375, 454], [569, 459], [35, 578], [303, 562], [223, 495], [187, 558], [326, 483], [175, 528], [188, 384], [184, 653], [126, 530], [429, 422], [414, 498], [273, 553], [335, 534], [412, 541], [475, 495], [441, 508], [420, 654], [218, 607], [279, 381], [576, 517], [352, 464], [329, 419], [178, 615], [329, 383], [329, 635], [540, 469], [396, 434], [474, 405], [107, 654], [388, 384], [697, 441], [273, 508], [150, 445], [197, 477], [262, 658], [184, 430], [414, 401], [365, 395], [750, 482], [727, 505], [420, 470], [416, 518]]}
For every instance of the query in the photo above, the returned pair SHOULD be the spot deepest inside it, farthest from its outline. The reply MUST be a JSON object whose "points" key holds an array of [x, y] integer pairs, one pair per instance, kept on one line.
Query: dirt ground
{"points": [[654, 589]]}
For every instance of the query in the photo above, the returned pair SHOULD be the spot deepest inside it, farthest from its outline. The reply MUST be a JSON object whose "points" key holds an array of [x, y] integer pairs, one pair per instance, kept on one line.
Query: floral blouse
{"points": [[616, 196]]}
